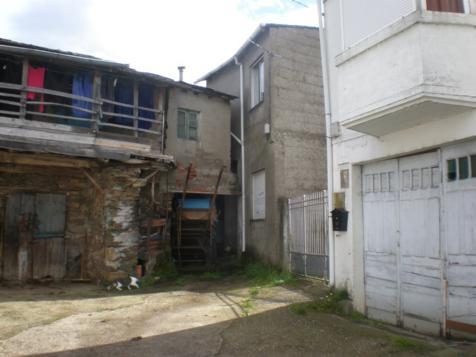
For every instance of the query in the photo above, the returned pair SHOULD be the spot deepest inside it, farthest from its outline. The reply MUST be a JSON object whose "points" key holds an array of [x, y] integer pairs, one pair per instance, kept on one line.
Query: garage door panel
{"points": [[461, 222], [460, 232], [381, 295], [420, 227], [381, 232], [409, 221], [422, 302], [381, 266]]}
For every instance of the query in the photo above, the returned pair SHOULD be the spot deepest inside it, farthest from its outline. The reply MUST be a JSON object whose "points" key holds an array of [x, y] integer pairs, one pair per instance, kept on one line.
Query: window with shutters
{"points": [[187, 124], [257, 83], [445, 5]]}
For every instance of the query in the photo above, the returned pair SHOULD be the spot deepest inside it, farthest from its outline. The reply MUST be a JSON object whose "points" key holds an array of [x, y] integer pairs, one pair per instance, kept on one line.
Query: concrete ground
{"points": [[227, 317]]}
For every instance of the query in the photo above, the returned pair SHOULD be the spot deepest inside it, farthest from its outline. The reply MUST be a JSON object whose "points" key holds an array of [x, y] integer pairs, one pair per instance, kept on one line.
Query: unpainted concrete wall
{"points": [[293, 156], [207, 154]]}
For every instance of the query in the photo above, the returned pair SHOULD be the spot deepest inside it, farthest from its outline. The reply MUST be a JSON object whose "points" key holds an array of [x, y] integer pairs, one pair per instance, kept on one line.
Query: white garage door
{"points": [[460, 234], [401, 200]]}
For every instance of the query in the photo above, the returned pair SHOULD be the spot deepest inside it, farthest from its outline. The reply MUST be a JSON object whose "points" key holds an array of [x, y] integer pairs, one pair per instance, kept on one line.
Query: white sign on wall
{"points": [[258, 186]]}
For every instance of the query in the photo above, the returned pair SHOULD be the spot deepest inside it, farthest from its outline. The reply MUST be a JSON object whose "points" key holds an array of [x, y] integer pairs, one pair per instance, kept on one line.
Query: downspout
{"points": [[242, 145], [330, 166]]}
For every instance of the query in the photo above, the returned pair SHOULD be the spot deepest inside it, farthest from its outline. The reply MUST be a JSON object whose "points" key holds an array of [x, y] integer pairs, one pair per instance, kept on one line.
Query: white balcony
{"points": [[419, 69]]}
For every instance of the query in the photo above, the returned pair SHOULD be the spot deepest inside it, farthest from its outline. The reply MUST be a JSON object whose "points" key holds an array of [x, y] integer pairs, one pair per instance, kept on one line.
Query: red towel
{"points": [[36, 78]]}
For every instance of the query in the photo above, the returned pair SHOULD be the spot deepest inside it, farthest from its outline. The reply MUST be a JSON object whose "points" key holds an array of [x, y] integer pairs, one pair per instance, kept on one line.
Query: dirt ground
{"points": [[226, 317]]}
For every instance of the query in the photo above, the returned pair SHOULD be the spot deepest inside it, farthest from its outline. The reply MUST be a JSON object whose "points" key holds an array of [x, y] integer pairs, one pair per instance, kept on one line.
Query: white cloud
{"points": [[154, 36]]}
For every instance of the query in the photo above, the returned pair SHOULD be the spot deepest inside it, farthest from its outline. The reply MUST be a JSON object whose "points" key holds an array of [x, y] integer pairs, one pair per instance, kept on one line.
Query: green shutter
{"points": [[192, 126], [181, 131]]}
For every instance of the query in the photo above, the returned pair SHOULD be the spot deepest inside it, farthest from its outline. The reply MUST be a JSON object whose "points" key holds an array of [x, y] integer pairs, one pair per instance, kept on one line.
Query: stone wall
{"points": [[102, 225]]}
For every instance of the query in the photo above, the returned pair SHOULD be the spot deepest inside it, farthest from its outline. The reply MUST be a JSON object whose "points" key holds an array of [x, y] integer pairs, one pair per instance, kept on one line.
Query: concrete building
{"points": [[87, 170], [402, 89], [284, 131]]}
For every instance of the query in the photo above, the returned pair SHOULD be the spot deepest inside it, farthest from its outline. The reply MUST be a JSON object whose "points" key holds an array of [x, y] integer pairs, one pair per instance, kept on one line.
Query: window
{"points": [[451, 166], [463, 168], [257, 83], [187, 124], [445, 5], [258, 188], [473, 165]]}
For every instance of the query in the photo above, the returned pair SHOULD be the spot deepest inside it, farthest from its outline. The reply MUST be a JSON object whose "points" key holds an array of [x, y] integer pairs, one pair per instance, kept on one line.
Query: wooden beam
{"points": [[42, 160], [93, 181], [24, 82], [33, 170], [136, 110]]}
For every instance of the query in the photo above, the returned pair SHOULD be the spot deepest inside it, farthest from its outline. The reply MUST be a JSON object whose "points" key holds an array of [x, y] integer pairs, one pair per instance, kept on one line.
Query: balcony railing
{"points": [[98, 116]]}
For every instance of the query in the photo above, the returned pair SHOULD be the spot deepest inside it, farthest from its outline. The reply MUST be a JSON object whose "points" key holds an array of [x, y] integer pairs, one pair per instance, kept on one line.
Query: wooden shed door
{"points": [[17, 236], [34, 236]]}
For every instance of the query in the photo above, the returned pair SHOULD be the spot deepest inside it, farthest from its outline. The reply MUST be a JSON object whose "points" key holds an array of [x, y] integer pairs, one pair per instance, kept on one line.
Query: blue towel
{"points": [[82, 86]]}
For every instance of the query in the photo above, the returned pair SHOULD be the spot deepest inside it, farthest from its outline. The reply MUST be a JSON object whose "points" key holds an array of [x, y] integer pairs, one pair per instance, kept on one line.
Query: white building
{"points": [[402, 84]]}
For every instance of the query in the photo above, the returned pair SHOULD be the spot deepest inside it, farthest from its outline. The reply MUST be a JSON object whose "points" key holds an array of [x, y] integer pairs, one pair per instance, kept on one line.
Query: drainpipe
{"points": [[330, 166], [242, 145]]}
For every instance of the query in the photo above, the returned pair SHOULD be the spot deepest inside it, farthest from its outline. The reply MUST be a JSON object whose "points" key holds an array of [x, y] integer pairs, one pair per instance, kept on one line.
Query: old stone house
{"points": [[284, 131], [84, 168]]}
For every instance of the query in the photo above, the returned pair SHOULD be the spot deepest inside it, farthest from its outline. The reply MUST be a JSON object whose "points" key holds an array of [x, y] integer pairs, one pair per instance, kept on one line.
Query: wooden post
{"points": [[97, 108], [136, 110], [24, 83]]}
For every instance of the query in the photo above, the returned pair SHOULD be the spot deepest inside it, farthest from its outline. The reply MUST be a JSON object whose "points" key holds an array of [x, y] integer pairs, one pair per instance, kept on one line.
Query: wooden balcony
{"points": [[63, 123]]}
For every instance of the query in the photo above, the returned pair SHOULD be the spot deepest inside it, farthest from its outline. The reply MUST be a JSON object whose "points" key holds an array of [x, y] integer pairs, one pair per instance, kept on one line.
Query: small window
{"points": [[445, 5], [187, 124], [451, 167], [463, 168], [257, 83], [258, 188], [473, 165]]}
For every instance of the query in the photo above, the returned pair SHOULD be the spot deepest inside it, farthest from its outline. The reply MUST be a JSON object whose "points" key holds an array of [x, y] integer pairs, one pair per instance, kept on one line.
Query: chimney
{"points": [[180, 69]]}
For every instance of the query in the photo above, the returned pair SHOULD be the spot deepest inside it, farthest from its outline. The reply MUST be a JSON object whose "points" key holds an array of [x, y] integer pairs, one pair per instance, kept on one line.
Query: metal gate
{"points": [[308, 247]]}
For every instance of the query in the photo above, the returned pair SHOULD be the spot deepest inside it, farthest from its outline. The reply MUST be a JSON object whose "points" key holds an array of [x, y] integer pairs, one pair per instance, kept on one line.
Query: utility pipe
{"points": [[242, 145], [330, 166]]}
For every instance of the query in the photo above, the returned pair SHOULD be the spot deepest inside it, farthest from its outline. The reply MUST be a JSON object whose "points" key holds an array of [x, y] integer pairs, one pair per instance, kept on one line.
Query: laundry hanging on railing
{"points": [[123, 92], [146, 100], [82, 86], [36, 79]]}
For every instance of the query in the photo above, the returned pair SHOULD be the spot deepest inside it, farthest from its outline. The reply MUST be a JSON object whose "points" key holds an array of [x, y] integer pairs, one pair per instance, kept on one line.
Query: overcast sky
{"points": [[150, 35]]}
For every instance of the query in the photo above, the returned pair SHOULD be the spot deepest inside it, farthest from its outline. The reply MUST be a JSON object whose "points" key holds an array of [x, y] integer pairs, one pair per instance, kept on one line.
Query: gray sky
{"points": [[150, 35]]}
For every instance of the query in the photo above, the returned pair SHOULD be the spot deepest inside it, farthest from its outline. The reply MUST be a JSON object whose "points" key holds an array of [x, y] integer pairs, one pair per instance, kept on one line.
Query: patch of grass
{"points": [[410, 345], [298, 309], [254, 291], [266, 275], [246, 306], [357, 316]]}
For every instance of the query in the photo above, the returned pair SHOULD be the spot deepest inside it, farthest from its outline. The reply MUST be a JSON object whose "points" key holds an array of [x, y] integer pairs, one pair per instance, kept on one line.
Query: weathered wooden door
{"points": [[403, 273], [48, 248], [34, 237], [460, 234]]}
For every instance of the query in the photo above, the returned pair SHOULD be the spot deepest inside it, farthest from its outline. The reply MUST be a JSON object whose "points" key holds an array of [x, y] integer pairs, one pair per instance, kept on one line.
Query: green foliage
{"points": [[266, 275], [165, 267], [298, 309], [254, 291], [411, 345], [246, 306]]}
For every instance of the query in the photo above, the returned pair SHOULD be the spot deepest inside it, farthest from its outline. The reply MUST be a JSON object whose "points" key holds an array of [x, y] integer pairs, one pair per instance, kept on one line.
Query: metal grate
{"points": [[308, 246]]}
